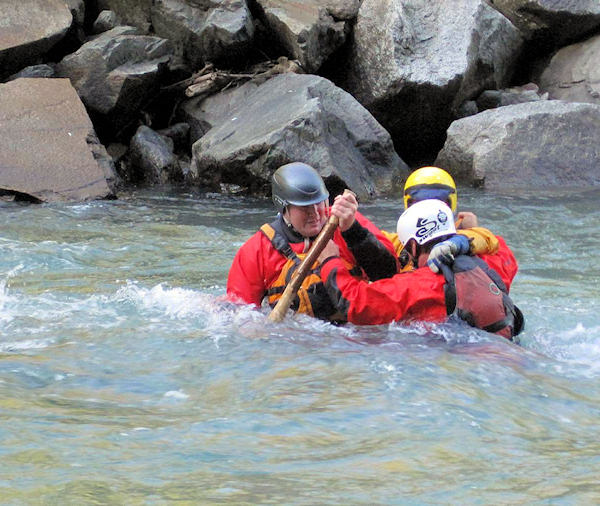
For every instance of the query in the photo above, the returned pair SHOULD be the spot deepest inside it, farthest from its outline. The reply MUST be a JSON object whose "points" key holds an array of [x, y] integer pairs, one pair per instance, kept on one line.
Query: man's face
{"points": [[308, 220]]}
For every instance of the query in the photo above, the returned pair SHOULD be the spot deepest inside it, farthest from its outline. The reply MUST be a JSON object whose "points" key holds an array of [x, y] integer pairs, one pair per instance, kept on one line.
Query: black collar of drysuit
{"points": [[288, 231]]}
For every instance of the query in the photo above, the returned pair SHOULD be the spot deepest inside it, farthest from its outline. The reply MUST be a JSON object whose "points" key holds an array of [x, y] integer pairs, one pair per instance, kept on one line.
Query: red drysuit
{"points": [[416, 295]]}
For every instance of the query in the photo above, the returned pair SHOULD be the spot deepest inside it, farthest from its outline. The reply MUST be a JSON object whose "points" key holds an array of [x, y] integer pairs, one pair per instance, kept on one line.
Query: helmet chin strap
{"points": [[307, 240], [410, 254], [288, 222]]}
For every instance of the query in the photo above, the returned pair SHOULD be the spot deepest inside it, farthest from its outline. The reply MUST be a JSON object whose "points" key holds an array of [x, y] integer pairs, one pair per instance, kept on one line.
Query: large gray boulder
{"points": [[555, 21], [545, 144], [48, 148], [414, 62], [204, 31], [28, 30], [310, 30], [295, 117], [117, 72], [573, 73]]}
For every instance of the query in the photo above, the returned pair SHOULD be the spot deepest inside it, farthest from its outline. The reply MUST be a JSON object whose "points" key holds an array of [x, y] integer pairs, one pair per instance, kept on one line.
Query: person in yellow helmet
{"points": [[430, 183], [435, 183]]}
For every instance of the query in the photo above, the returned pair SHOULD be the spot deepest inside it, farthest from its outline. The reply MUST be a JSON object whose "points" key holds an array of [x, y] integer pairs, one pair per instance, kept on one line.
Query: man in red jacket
{"points": [[265, 263], [446, 281]]}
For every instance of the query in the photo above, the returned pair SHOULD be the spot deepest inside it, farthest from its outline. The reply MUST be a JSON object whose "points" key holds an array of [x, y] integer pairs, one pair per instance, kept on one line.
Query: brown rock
{"points": [[48, 147], [28, 29]]}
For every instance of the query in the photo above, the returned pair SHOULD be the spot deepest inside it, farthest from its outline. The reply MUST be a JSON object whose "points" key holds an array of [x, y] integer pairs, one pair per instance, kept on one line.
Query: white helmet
{"points": [[425, 220]]}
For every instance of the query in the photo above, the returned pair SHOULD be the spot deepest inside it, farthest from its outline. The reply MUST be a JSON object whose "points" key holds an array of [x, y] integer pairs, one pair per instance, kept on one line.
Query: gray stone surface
{"points": [[152, 154], [117, 72], [204, 31], [310, 30], [202, 114], [555, 21], [106, 20], [131, 12], [77, 8], [28, 30], [41, 70], [48, 148], [573, 74], [291, 117], [414, 62], [545, 144], [490, 99], [200, 30], [342, 9]]}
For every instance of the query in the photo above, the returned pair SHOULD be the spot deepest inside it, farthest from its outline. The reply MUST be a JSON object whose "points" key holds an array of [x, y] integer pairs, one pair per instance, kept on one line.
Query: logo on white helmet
{"points": [[430, 226]]}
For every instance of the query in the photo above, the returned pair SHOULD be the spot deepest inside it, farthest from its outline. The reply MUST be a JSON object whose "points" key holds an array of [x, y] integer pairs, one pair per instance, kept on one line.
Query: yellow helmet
{"points": [[430, 183]]}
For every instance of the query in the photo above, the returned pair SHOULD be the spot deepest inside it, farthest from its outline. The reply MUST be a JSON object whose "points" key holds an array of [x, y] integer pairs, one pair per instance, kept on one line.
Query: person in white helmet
{"points": [[430, 182], [446, 280]]}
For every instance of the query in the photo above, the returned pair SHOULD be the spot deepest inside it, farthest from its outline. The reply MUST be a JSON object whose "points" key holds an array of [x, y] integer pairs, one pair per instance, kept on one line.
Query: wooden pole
{"points": [[278, 312], [283, 304]]}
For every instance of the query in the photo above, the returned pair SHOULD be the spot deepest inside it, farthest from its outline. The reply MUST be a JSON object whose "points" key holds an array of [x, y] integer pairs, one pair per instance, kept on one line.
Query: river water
{"points": [[124, 379]]}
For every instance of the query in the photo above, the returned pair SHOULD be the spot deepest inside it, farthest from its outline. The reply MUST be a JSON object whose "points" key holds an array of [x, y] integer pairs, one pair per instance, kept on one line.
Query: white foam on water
{"points": [[199, 312], [172, 302], [26, 345], [176, 394], [6, 300], [579, 346]]}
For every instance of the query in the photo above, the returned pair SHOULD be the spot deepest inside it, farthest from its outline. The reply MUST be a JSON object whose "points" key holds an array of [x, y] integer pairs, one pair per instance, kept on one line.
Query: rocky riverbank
{"points": [[99, 95]]}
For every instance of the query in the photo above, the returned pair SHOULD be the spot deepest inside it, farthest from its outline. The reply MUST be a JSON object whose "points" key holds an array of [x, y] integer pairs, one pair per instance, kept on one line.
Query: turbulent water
{"points": [[125, 380]]}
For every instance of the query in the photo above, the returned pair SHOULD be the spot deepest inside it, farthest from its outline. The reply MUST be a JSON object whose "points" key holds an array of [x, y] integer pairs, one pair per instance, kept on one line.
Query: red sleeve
{"points": [[503, 262], [415, 295], [246, 281]]}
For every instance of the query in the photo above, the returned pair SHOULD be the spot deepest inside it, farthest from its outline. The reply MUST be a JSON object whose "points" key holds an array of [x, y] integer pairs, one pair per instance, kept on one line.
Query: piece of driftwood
{"points": [[209, 80]]}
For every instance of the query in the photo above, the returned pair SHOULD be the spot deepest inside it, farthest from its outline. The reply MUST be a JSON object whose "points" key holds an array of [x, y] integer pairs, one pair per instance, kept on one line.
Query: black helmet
{"points": [[298, 184]]}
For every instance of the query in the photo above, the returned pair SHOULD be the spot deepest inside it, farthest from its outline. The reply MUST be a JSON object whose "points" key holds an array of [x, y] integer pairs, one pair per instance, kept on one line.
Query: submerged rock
{"points": [[545, 144], [48, 147]]}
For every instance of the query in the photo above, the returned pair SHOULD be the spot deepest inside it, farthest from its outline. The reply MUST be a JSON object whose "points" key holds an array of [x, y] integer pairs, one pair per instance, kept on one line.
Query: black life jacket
{"points": [[476, 294], [312, 297]]}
